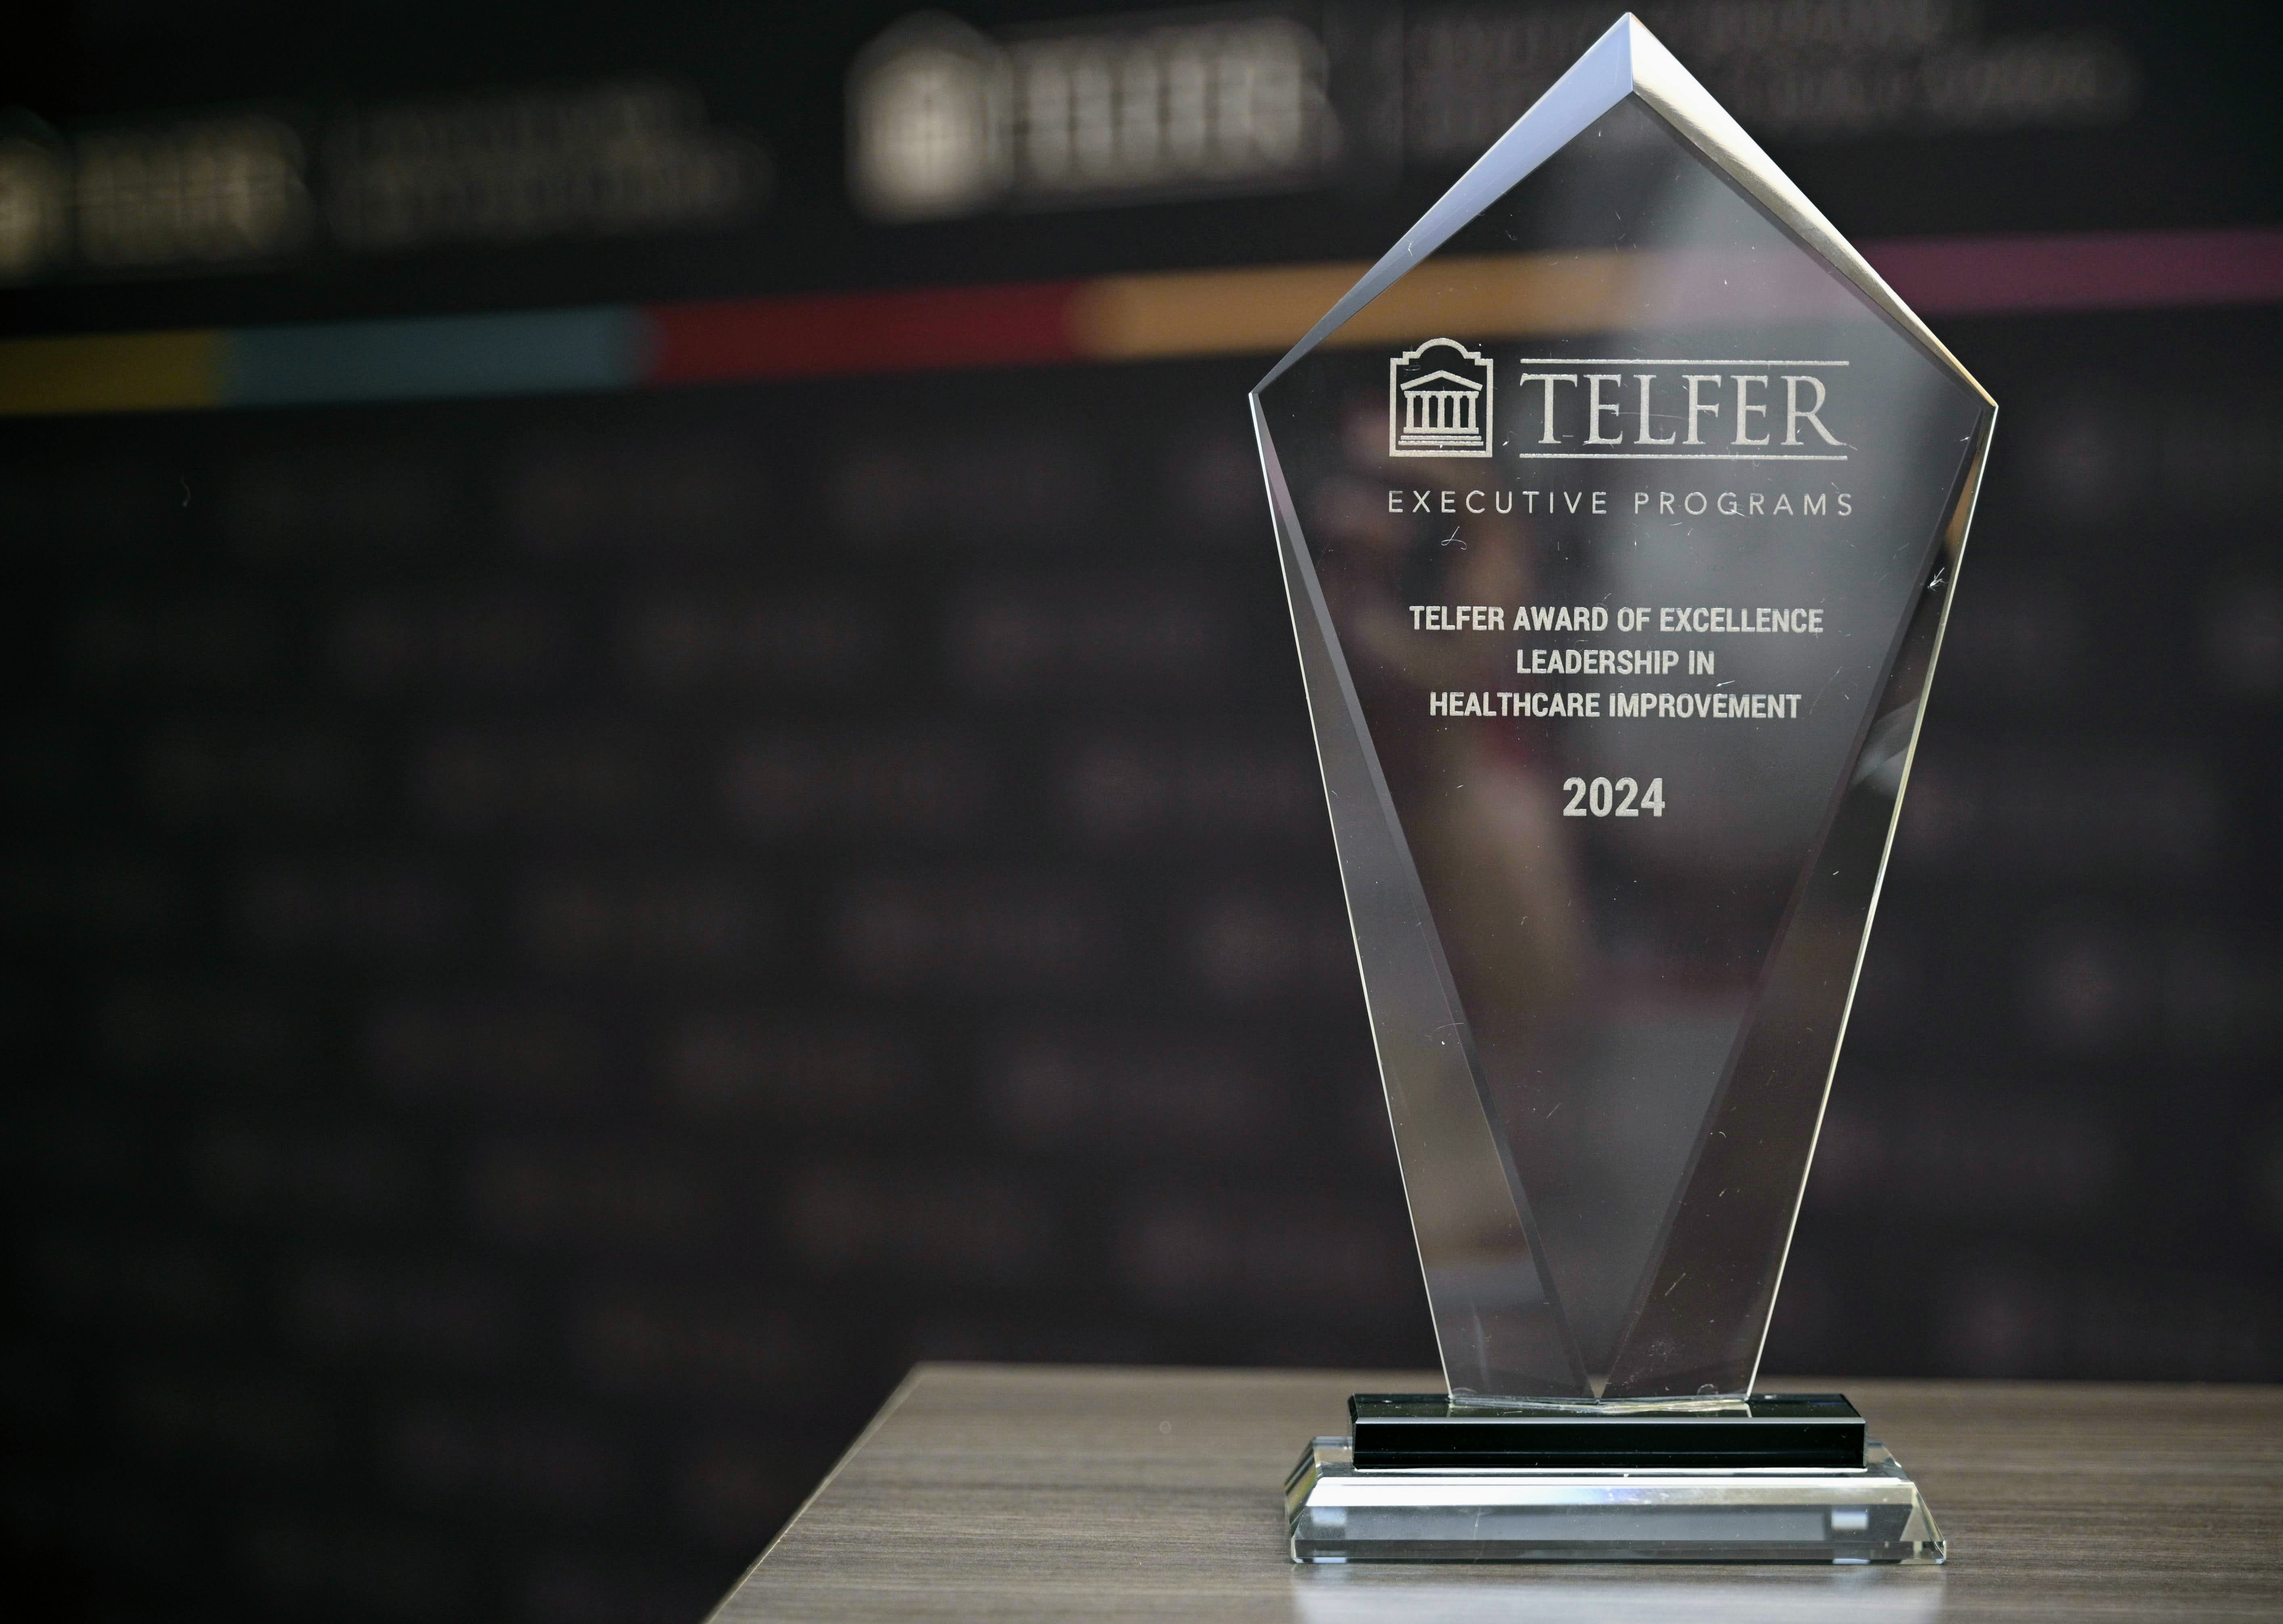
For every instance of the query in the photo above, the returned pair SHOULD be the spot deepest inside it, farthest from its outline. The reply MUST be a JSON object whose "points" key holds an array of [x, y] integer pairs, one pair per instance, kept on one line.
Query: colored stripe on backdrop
{"points": [[112, 372], [822, 336], [1167, 316], [433, 358]]}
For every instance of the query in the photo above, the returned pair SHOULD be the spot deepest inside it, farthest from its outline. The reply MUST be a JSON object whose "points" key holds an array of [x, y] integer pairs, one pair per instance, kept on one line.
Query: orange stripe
{"points": [[112, 372]]}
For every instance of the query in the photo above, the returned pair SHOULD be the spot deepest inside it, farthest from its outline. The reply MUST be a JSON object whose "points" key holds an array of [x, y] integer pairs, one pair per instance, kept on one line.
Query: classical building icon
{"points": [[1439, 401]]}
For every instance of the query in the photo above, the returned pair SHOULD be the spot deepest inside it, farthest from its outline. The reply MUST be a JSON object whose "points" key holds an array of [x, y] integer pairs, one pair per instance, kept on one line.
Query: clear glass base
{"points": [[1340, 1514]]}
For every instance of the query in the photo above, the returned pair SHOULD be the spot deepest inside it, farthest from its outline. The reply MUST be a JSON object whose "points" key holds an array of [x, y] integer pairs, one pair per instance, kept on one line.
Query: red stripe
{"points": [[2116, 270], [822, 334]]}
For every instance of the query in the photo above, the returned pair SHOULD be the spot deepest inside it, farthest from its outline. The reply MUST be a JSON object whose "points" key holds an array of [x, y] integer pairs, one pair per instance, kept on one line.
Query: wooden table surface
{"points": [[1006, 1494]]}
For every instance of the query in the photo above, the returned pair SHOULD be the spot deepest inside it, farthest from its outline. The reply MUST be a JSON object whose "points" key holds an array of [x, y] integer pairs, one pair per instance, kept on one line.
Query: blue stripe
{"points": [[429, 358]]}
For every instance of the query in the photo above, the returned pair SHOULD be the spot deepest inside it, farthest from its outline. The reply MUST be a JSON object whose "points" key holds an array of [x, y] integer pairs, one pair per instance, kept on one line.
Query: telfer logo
{"points": [[1439, 401], [1672, 410]]}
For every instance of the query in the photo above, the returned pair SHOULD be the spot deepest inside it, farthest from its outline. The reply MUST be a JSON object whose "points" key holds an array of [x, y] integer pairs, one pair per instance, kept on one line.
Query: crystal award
{"points": [[1620, 507]]}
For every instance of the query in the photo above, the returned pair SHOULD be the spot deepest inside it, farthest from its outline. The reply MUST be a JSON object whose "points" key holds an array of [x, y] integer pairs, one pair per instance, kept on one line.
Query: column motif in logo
{"points": [[1439, 401]]}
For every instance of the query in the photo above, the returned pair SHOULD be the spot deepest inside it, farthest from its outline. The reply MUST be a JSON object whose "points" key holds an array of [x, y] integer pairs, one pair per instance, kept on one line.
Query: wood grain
{"points": [[1008, 1493]]}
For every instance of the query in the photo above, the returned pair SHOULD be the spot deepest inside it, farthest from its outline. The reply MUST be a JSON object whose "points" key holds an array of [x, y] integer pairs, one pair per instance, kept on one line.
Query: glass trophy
{"points": [[1620, 507]]}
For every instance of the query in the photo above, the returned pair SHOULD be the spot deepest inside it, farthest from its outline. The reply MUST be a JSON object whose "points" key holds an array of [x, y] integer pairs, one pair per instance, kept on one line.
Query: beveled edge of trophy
{"points": [[1661, 81], [1955, 530], [1627, 60], [1744, 1374], [1457, 1299], [1597, 82]]}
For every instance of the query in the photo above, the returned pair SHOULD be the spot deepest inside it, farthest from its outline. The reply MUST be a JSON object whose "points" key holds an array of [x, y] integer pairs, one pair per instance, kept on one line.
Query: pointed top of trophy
{"points": [[1626, 61]]}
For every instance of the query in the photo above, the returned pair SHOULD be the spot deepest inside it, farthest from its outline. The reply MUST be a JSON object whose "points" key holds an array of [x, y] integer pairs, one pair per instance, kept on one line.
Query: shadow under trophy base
{"points": [[1620, 508]]}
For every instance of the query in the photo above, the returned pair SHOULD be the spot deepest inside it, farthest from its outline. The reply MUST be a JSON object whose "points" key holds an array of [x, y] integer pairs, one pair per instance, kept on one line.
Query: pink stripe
{"points": [[2096, 271]]}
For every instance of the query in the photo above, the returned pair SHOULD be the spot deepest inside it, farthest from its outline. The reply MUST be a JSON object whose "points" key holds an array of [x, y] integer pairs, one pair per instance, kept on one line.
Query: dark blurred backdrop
{"points": [[564, 928]]}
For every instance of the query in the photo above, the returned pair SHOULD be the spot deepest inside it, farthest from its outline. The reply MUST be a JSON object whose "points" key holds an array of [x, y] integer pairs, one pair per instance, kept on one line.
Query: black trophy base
{"points": [[1817, 1430], [1776, 1478]]}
